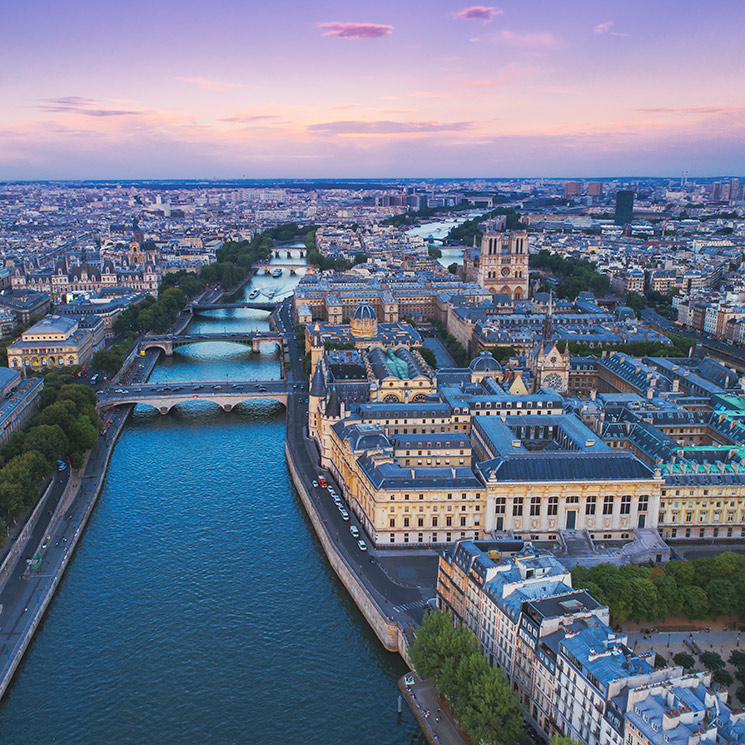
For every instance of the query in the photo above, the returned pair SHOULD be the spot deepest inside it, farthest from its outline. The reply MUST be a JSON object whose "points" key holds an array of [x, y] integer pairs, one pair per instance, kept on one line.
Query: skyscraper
{"points": [[624, 207], [572, 189]]}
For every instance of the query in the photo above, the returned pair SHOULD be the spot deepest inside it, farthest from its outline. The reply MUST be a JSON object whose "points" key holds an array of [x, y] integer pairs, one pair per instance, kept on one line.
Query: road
{"points": [[400, 584]]}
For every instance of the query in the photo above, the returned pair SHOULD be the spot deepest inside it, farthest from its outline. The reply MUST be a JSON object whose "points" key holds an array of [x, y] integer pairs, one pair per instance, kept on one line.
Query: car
{"points": [[99, 393], [216, 387], [61, 465], [355, 531], [344, 514], [361, 545], [197, 387], [315, 484]]}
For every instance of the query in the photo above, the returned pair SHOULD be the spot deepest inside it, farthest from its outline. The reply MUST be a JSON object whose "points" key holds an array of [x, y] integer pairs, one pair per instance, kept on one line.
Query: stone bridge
{"points": [[169, 342], [270, 306], [269, 268], [164, 396]]}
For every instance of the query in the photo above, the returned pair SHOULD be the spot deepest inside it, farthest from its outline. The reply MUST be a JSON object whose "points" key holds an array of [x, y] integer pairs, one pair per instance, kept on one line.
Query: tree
{"points": [[685, 660], [645, 604], [659, 661], [49, 440], [728, 562], [721, 597], [453, 268], [740, 694], [669, 595], [694, 602], [428, 355], [737, 658], [636, 302], [431, 640], [682, 571], [723, 677], [561, 740], [711, 660], [493, 715]]}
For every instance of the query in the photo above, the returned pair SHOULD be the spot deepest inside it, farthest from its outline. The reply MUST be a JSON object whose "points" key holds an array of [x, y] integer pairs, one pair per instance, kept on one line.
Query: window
{"points": [[499, 505], [535, 506], [517, 507], [608, 505], [463, 521], [392, 523], [420, 522], [643, 503], [553, 506], [406, 522], [434, 521], [449, 521], [626, 504], [573, 500], [590, 505]]}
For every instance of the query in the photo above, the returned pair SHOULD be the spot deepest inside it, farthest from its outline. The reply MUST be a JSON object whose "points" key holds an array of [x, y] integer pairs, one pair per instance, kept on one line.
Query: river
{"points": [[199, 607], [435, 232]]}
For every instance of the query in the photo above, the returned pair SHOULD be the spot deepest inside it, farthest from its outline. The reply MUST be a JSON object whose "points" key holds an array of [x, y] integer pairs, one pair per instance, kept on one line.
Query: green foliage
{"points": [[412, 218], [479, 696], [66, 425], [562, 740], [711, 660], [636, 302], [685, 660], [737, 658], [678, 348], [723, 677], [428, 355], [324, 262], [456, 349], [659, 661], [225, 273], [466, 232], [151, 314], [712, 586], [502, 354], [578, 275], [740, 694], [434, 252], [306, 364], [187, 282]]}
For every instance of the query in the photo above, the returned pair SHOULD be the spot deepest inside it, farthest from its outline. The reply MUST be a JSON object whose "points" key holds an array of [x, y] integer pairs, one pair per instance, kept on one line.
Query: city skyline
{"points": [[337, 90]]}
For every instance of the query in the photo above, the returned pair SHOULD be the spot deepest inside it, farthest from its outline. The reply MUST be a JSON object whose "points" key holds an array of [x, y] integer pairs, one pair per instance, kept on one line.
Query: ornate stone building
{"points": [[501, 265]]}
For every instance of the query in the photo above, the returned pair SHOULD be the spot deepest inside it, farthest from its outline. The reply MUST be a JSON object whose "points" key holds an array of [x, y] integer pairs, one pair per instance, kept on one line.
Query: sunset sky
{"points": [[322, 88]]}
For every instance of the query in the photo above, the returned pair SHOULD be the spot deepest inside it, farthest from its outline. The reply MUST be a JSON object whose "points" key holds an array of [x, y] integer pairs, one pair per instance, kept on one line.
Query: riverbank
{"points": [[25, 595]]}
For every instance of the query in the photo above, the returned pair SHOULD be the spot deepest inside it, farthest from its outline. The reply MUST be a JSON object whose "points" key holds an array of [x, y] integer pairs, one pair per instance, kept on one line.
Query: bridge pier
{"points": [[227, 408], [256, 346], [163, 410]]}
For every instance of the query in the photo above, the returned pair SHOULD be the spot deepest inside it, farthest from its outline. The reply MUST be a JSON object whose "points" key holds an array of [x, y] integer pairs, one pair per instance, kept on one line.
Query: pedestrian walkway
{"points": [[410, 606], [436, 723]]}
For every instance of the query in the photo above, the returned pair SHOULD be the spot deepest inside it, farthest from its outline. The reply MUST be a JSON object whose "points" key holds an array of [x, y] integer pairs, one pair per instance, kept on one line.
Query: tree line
{"points": [[712, 586], [465, 233], [479, 696], [578, 275], [66, 425]]}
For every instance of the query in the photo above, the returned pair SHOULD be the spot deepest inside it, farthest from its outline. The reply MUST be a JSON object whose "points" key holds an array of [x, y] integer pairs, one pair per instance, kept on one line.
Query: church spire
{"points": [[548, 320]]}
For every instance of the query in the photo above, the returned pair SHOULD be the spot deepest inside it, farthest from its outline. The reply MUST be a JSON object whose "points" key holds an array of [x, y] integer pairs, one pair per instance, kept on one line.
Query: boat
{"points": [[270, 294], [277, 273], [254, 294]]}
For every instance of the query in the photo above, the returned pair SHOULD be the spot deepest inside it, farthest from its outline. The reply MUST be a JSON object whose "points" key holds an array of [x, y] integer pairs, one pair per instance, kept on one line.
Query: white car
{"points": [[354, 530], [361, 545], [315, 484], [344, 514]]}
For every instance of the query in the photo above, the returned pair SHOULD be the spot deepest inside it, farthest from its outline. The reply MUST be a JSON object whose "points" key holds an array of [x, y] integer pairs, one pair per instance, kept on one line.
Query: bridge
{"points": [[288, 251], [169, 342], [164, 396], [269, 268], [269, 305]]}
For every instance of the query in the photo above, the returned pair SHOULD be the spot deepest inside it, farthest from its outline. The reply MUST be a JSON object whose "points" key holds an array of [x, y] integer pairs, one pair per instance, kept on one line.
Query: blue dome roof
{"points": [[364, 312], [485, 363]]}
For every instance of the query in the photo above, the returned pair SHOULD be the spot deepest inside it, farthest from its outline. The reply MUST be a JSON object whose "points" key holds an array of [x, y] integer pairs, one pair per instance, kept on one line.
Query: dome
{"points": [[485, 363], [364, 312]]}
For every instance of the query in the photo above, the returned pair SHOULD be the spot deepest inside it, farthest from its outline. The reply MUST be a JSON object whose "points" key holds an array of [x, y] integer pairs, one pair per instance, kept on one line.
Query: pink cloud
{"points": [[384, 127], [533, 41], [695, 110], [78, 105], [606, 28], [477, 13], [356, 30]]}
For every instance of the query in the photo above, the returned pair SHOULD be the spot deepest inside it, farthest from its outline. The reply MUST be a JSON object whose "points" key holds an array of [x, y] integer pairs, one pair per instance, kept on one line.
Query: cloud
{"points": [[504, 76], [221, 86], [385, 127], [249, 118], [606, 28], [477, 13], [79, 105], [532, 41], [694, 110], [355, 30]]}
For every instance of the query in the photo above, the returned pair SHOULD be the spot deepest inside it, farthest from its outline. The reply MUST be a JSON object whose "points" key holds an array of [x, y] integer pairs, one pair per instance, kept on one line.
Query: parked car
{"points": [[361, 545], [344, 514], [315, 484], [355, 531]]}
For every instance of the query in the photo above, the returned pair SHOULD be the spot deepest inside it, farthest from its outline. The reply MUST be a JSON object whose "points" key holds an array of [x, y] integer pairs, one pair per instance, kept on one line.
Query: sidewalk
{"points": [[436, 723]]}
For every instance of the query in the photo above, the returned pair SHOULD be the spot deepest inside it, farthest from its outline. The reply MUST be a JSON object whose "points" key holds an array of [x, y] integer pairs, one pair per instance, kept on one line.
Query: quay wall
{"points": [[390, 633]]}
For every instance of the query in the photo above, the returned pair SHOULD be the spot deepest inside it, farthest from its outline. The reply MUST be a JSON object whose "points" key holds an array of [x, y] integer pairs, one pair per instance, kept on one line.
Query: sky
{"points": [[391, 88]]}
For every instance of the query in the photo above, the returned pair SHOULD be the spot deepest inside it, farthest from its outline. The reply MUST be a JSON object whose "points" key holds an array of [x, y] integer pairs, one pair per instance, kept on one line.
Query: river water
{"points": [[199, 607]]}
